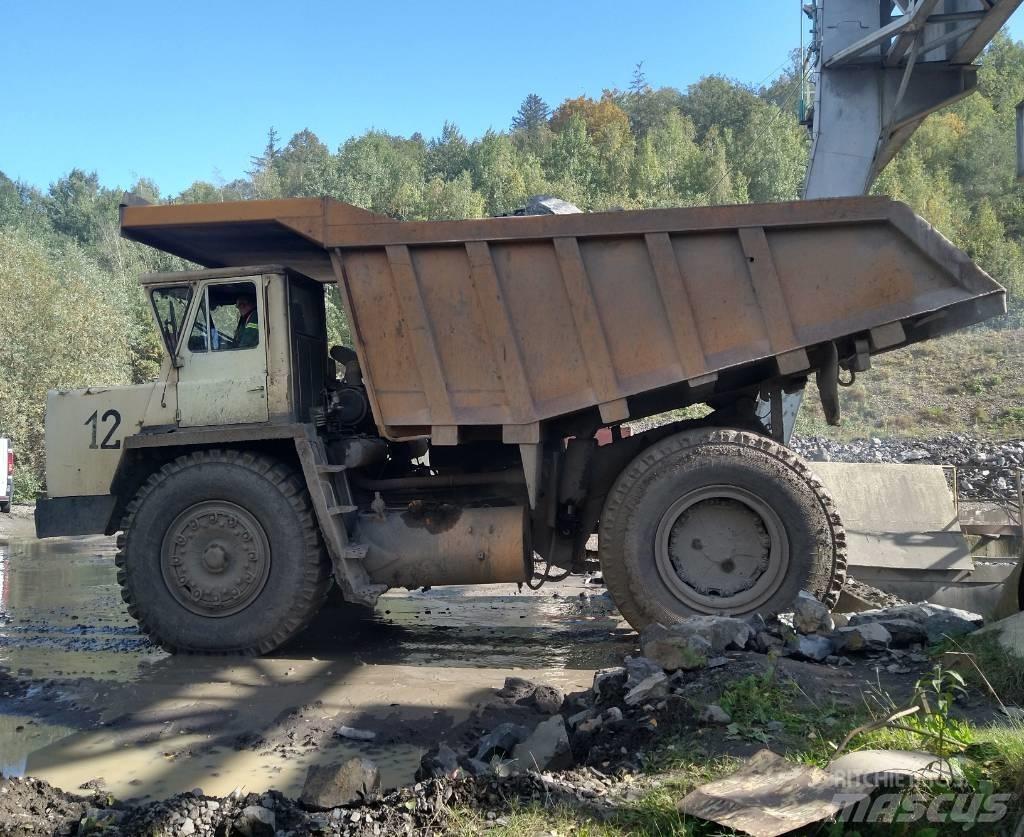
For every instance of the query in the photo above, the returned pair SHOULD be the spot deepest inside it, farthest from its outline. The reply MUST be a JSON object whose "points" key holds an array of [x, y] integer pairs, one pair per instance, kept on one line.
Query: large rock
{"points": [[654, 687], [904, 632], [500, 741], [331, 785], [673, 650], [870, 636], [517, 688], [943, 622], [547, 699], [546, 748], [937, 621], [811, 616]]}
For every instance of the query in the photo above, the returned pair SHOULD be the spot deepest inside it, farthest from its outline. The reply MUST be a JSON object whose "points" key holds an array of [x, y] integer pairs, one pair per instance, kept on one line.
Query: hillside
{"points": [[971, 382]]}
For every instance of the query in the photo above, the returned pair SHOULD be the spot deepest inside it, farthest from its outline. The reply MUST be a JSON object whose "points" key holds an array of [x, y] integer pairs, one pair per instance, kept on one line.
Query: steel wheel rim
{"points": [[215, 558], [721, 549]]}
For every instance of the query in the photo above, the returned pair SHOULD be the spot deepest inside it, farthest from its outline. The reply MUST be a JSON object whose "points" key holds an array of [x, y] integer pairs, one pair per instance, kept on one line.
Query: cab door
{"points": [[223, 379]]}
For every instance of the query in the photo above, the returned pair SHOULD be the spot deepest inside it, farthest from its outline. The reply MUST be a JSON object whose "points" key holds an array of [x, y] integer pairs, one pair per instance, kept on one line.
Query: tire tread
{"points": [[316, 571]]}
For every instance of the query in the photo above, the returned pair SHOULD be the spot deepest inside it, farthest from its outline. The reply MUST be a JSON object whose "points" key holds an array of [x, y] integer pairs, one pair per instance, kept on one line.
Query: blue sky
{"points": [[186, 90]]}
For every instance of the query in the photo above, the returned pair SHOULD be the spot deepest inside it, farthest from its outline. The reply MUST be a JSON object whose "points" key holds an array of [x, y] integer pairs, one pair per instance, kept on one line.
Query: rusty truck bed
{"points": [[513, 321]]}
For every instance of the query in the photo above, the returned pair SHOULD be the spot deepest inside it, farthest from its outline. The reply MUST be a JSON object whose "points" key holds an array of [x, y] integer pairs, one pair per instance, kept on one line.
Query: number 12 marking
{"points": [[106, 444]]}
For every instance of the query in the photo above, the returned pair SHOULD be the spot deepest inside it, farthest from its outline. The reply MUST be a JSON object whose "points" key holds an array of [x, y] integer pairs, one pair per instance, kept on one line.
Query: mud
{"points": [[86, 701]]}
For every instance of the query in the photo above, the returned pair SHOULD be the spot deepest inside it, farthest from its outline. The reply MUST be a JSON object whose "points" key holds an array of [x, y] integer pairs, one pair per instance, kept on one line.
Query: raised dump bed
{"points": [[513, 321], [255, 469]]}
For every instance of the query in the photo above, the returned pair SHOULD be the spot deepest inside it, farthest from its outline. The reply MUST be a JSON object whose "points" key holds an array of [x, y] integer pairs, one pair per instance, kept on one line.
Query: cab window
{"points": [[227, 319], [170, 305]]}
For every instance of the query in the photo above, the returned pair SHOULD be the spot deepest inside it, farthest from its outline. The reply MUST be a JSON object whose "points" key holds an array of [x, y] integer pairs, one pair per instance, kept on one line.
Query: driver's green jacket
{"points": [[247, 334]]}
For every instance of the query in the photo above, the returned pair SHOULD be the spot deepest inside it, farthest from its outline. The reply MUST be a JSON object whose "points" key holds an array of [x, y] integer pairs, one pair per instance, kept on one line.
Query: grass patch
{"points": [[986, 758], [1003, 672]]}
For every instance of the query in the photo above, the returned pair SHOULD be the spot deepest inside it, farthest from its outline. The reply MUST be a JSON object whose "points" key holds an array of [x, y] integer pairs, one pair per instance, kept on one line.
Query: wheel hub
{"points": [[721, 549], [729, 553], [215, 558]]}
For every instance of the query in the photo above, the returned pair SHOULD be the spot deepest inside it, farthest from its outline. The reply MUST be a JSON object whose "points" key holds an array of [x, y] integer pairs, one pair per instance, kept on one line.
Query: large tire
{"points": [[221, 554], [722, 522]]}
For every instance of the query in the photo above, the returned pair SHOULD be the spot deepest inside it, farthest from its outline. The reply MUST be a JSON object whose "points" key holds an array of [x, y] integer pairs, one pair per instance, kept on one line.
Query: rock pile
{"points": [[986, 470], [608, 725]]}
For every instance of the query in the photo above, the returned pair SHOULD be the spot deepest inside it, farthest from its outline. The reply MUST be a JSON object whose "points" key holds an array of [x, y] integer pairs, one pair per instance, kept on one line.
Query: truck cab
{"points": [[222, 369]]}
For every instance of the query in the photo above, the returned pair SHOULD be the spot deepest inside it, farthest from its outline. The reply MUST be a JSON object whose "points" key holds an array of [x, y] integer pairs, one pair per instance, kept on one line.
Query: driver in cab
{"points": [[247, 332]]}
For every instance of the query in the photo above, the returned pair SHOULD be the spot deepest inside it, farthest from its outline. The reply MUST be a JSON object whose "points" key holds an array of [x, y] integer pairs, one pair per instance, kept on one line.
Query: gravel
{"points": [[986, 470]]}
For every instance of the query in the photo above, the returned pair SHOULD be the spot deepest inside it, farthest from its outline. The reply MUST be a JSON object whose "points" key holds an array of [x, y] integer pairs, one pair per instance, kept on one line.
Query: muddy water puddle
{"points": [[84, 696]]}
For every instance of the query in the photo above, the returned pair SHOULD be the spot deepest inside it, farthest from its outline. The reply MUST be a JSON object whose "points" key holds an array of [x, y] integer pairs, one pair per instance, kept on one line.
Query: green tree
{"points": [[304, 167], [69, 333], [533, 113], [75, 205], [503, 175], [382, 173], [448, 156]]}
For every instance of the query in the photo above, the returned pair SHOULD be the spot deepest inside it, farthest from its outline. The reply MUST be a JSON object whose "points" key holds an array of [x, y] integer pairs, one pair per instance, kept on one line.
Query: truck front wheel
{"points": [[718, 522], [220, 553]]}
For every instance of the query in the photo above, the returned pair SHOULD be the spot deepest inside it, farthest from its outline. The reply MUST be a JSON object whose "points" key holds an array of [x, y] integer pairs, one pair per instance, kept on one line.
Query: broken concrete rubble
{"points": [[886, 768], [770, 796]]}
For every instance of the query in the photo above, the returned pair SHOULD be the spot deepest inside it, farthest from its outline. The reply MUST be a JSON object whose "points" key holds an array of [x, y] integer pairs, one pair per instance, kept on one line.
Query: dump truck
{"points": [[454, 442]]}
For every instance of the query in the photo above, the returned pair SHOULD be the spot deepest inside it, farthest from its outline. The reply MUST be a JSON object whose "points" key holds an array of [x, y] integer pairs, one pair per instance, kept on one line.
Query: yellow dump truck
{"points": [[454, 442]]}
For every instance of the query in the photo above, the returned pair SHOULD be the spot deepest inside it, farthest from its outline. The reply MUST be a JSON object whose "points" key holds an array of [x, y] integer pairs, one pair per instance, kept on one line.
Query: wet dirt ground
{"points": [[86, 700]]}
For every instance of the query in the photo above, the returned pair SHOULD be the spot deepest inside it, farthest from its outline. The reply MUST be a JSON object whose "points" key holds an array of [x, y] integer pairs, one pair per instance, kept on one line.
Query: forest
{"points": [[73, 313]]}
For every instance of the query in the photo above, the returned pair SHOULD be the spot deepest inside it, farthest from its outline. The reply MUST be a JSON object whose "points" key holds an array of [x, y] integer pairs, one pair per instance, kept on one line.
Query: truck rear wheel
{"points": [[221, 554], [718, 522]]}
